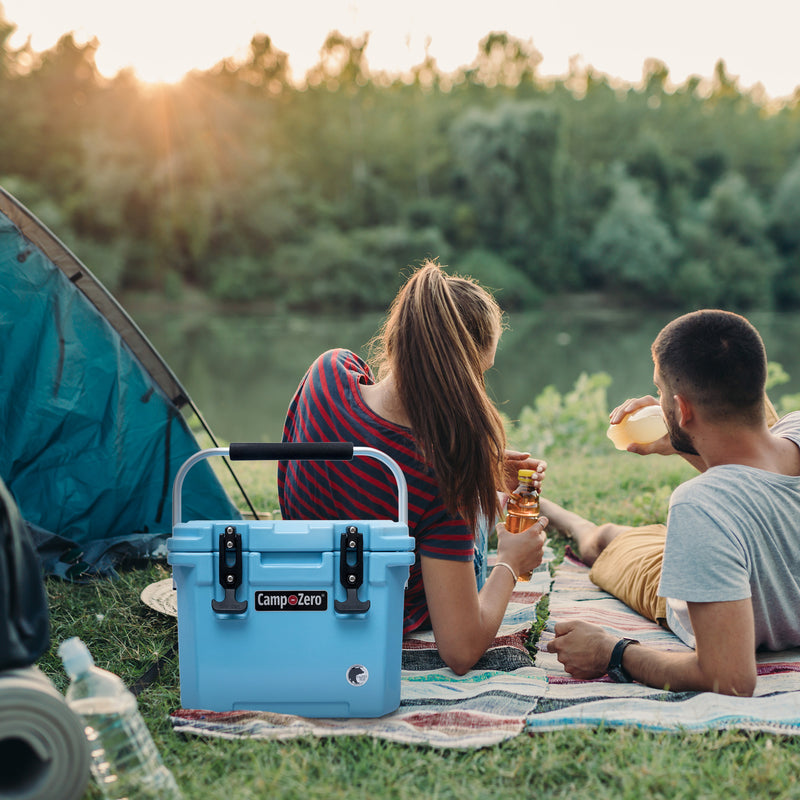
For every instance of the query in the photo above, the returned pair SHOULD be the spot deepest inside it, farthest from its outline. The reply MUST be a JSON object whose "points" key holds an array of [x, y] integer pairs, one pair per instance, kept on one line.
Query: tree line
{"points": [[317, 195]]}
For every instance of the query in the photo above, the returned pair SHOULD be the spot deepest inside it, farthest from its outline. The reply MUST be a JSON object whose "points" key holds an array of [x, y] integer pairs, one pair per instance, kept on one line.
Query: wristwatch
{"points": [[615, 670]]}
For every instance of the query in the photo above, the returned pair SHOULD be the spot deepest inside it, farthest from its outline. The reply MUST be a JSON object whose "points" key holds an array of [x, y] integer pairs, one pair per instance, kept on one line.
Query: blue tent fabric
{"points": [[91, 440]]}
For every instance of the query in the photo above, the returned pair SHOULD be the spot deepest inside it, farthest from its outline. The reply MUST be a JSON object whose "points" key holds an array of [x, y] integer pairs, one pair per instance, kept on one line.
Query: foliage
{"points": [[730, 241], [785, 208], [512, 287], [574, 423], [630, 245], [785, 222], [355, 269], [248, 182], [509, 157]]}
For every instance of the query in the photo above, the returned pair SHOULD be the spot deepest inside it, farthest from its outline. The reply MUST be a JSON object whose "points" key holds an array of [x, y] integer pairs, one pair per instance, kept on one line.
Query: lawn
{"points": [[127, 637]]}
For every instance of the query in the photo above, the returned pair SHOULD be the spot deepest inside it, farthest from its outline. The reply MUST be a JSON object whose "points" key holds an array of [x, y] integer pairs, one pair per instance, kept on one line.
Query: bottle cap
{"points": [[76, 656], [525, 473]]}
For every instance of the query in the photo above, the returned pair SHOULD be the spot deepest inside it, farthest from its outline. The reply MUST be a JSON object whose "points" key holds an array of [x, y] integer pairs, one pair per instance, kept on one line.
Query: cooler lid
{"points": [[269, 536]]}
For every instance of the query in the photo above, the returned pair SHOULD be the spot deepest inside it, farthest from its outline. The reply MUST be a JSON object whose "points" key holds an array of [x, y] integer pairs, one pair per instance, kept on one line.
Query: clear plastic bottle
{"points": [[125, 762], [522, 510]]}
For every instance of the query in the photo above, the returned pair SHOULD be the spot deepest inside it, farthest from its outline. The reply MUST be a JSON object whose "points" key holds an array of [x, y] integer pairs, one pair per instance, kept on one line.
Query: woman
{"points": [[428, 410]]}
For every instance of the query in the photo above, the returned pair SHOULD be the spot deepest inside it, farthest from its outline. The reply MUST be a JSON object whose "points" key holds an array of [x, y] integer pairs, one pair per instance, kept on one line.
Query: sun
{"points": [[161, 42], [154, 69], [164, 53]]}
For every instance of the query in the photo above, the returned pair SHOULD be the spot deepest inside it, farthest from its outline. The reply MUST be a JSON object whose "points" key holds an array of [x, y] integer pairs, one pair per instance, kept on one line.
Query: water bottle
{"points": [[125, 762]]}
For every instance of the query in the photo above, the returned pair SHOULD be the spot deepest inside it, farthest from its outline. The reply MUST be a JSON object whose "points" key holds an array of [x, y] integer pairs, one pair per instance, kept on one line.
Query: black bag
{"points": [[24, 616]]}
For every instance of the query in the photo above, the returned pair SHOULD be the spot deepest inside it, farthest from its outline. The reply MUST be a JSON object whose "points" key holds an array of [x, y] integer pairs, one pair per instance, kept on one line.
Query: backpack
{"points": [[24, 615]]}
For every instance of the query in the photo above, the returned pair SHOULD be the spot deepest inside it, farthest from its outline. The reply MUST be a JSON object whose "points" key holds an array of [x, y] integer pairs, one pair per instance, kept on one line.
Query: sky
{"points": [[164, 39]]}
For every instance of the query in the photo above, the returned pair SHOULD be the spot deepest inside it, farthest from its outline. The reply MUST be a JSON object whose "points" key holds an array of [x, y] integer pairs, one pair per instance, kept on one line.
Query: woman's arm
{"points": [[465, 622]]}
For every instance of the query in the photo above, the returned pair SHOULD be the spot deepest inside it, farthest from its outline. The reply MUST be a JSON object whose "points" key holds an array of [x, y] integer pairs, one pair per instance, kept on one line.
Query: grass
{"points": [[127, 637]]}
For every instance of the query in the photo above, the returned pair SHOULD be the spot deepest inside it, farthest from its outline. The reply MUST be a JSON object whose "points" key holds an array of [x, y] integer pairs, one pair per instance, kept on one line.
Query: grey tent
{"points": [[93, 425]]}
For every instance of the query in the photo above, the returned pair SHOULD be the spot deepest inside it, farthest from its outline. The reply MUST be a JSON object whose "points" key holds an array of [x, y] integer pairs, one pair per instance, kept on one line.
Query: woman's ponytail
{"points": [[436, 340]]}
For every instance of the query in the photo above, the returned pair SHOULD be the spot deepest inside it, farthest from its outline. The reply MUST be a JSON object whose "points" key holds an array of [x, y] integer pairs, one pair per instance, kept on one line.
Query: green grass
{"points": [[127, 637]]}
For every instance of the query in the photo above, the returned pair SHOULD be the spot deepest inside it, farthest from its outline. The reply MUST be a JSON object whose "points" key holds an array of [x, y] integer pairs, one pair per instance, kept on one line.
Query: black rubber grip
{"points": [[291, 451]]}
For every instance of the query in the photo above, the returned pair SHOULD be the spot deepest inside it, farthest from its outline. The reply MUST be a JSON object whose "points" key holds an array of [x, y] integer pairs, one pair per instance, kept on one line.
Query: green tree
{"points": [[504, 61], [730, 259], [785, 223], [510, 159], [631, 248]]}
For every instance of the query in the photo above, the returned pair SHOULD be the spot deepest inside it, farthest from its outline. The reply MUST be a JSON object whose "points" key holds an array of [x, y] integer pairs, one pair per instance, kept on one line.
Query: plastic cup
{"points": [[641, 427]]}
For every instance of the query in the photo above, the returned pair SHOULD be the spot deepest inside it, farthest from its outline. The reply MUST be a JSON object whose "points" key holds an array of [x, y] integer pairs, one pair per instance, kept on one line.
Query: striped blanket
{"points": [[507, 694], [437, 708], [572, 703]]}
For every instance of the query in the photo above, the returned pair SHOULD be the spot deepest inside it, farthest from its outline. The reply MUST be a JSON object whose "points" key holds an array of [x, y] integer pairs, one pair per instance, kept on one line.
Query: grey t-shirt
{"points": [[733, 532]]}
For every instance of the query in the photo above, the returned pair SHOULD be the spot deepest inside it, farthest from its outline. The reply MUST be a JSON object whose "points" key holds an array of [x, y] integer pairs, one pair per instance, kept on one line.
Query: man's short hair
{"points": [[716, 359]]}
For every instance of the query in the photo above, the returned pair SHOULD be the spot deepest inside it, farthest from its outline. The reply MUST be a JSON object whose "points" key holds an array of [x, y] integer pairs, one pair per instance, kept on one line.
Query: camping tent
{"points": [[93, 419]]}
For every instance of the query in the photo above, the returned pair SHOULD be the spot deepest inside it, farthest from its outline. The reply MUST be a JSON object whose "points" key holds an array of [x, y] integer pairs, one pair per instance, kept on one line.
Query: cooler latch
{"points": [[351, 571], [230, 572]]}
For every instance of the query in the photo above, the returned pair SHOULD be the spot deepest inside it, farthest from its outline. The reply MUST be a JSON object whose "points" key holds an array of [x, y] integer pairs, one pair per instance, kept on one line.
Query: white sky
{"points": [[163, 39]]}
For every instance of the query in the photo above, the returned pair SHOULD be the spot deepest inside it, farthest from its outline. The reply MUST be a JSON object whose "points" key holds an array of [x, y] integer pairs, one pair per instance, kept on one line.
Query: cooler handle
{"points": [[292, 451]]}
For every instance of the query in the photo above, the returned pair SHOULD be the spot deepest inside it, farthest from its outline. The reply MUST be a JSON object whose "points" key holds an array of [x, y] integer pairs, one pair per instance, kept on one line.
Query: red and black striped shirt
{"points": [[328, 407]]}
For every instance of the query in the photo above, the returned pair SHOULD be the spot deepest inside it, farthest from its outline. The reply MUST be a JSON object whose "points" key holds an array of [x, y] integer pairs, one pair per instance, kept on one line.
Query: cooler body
{"points": [[294, 617]]}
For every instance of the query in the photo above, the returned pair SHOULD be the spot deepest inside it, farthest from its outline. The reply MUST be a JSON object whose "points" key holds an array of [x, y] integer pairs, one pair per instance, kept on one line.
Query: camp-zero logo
{"points": [[291, 601]]}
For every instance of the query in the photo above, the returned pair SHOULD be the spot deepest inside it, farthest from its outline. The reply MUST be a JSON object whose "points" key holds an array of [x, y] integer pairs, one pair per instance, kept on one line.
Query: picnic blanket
{"points": [[487, 705], [507, 693], [775, 706]]}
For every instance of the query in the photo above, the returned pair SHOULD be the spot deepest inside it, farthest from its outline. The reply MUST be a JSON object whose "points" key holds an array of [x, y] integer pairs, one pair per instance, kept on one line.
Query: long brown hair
{"points": [[435, 341]]}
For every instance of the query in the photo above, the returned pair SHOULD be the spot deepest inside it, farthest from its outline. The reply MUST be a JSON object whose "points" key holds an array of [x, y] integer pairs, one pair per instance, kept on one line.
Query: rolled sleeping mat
{"points": [[44, 753]]}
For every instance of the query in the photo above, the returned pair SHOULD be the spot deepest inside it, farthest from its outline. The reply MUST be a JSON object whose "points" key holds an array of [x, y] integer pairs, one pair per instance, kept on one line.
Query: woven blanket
{"points": [[775, 706], [506, 694], [437, 708]]}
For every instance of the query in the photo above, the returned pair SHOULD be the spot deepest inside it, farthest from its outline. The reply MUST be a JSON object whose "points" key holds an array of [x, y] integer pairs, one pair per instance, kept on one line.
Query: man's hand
{"points": [[629, 406], [584, 649], [662, 446]]}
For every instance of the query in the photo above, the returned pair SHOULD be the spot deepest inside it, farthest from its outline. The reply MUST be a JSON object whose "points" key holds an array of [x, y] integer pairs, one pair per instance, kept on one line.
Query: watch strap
{"points": [[615, 670]]}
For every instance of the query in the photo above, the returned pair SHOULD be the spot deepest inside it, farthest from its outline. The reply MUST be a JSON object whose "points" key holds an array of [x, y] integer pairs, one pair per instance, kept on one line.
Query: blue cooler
{"points": [[295, 617]]}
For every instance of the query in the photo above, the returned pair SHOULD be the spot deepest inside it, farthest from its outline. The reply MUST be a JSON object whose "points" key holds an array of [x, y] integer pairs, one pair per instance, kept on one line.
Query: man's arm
{"points": [[723, 662]]}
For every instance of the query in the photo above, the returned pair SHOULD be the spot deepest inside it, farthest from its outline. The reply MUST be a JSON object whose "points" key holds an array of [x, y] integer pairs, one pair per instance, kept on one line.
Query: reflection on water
{"points": [[241, 370]]}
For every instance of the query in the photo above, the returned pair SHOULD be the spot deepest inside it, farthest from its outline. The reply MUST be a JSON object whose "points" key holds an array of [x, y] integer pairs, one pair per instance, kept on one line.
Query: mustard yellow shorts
{"points": [[630, 569]]}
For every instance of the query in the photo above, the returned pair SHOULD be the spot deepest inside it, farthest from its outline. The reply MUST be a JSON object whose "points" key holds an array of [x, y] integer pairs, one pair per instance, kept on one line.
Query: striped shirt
{"points": [[328, 407]]}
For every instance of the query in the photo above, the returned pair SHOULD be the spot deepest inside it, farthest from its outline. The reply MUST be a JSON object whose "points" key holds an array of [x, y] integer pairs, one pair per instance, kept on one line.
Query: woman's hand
{"points": [[515, 461], [465, 622], [524, 550]]}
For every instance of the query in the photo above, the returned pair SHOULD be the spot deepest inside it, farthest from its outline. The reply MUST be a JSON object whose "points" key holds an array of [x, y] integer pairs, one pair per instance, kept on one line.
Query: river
{"points": [[241, 368]]}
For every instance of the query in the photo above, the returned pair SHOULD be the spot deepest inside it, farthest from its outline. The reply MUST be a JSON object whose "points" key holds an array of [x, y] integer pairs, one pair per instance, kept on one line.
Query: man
{"points": [[724, 574]]}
